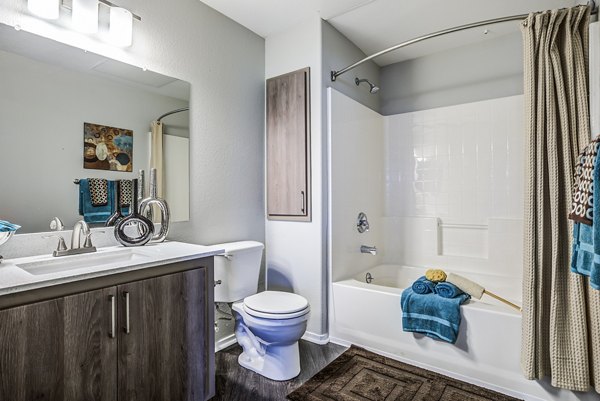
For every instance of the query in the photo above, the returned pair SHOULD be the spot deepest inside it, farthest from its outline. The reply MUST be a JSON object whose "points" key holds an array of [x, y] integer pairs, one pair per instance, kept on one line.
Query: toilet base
{"points": [[280, 362]]}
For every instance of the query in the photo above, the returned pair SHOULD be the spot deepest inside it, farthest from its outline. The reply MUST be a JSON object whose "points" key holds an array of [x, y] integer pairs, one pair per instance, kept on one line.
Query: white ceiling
{"points": [[374, 25]]}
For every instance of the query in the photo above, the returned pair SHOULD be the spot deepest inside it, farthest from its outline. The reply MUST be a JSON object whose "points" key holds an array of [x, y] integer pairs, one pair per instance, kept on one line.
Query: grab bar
{"points": [[462, 226]]}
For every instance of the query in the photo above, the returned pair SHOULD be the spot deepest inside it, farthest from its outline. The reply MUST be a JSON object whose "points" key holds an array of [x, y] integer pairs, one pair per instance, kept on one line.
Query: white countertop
{"points": [[15, 278]]}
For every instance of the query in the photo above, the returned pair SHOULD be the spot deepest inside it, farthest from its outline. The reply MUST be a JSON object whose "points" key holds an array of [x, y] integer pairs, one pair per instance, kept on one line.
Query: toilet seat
{"points": [[276, 305]]}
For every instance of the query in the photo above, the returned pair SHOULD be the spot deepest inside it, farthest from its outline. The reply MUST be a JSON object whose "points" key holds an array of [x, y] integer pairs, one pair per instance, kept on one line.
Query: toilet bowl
{"points": [[268, 326]]}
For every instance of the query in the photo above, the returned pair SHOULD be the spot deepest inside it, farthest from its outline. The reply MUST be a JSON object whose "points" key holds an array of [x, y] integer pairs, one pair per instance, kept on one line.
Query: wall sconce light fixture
{"points": [[120, 30], [84, 15], [47, 9]]}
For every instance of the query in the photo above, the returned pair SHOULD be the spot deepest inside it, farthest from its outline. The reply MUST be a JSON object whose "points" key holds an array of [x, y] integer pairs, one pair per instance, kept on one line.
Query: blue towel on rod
{"points": [[447, 290], [90, 213], [97, 214], [423, 286], [429, 314], [585, 256]]}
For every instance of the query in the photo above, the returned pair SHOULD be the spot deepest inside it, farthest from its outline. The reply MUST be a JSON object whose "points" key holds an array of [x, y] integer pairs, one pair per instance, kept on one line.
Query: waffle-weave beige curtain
{"points": [[561, 313]]}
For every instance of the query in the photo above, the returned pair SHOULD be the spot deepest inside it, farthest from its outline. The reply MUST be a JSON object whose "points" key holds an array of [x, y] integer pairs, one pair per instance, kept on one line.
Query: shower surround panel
{"points": [[442, 188], [454, 187]]}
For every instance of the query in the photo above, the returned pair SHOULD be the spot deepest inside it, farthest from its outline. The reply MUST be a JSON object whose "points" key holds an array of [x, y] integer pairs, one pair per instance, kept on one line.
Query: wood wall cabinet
{"points": [[144, 340], [288, 147]]}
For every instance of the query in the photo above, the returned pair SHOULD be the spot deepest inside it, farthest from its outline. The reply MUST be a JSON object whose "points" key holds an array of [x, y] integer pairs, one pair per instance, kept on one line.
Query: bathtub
{"points": [[487, 352]]}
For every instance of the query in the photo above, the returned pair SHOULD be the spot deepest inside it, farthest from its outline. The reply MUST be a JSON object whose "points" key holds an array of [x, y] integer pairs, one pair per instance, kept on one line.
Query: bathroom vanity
{"points": [[123, 324]]}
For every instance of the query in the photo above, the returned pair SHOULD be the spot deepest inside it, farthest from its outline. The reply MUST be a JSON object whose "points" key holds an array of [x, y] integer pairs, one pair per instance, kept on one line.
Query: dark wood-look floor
{"points": [[235, 383]]}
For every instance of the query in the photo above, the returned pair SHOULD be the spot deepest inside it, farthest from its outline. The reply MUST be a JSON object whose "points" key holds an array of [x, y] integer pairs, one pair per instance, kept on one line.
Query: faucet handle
{"points": [[87, 243], [56, 224], [62, 246]]}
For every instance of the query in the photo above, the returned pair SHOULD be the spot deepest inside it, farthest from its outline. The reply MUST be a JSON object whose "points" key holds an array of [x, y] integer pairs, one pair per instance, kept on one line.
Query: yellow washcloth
{"points": [[435, 275]]}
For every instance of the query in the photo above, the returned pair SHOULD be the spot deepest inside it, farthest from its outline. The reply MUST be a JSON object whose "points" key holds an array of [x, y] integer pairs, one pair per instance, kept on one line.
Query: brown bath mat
{"points": [[360, 375]]}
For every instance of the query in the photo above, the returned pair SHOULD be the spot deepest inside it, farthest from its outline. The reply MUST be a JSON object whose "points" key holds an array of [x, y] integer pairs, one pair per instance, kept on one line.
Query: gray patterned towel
{"points": [[125, 189], [98, 191], [582, 206]]}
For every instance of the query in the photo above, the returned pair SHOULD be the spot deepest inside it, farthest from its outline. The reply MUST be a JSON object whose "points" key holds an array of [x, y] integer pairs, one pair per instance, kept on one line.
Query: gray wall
{"points": [[486, 70], [42, 109], [339, 52], [224, 62]]}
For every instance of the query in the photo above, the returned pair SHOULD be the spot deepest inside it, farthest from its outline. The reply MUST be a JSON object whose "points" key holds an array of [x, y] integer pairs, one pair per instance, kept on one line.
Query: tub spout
{"points": [[368, 249]]}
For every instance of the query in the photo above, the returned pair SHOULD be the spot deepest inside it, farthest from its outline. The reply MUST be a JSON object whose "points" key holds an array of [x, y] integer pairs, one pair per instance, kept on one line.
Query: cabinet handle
{"points": [[302, 195], [113, 312], [126, 295]]}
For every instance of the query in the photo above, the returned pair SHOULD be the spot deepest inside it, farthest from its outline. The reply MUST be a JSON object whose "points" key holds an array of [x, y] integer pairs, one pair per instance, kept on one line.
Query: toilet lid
{"points": [[275, 303]]}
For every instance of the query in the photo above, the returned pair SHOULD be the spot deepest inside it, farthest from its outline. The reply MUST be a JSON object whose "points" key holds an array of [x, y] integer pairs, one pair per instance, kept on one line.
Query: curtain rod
{"points": [[173, 112], [335, 74]]}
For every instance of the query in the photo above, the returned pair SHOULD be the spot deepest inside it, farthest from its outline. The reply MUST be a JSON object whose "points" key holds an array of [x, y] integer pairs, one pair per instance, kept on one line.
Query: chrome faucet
{"points": [[368, 249], [81, 227]]}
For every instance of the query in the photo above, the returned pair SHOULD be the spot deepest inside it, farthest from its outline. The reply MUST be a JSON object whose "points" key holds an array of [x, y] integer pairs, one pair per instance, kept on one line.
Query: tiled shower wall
{"points": [[442, 187], [454, 187], [461, 163]]}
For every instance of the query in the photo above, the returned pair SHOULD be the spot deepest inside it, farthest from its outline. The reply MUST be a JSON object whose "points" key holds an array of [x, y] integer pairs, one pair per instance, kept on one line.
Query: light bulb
{"points": [[120, 32], [85, 16], [47, 9]]}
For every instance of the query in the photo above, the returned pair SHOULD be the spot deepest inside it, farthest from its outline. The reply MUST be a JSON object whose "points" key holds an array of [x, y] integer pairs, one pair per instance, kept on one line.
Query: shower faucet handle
{"points": [[362, 223]]}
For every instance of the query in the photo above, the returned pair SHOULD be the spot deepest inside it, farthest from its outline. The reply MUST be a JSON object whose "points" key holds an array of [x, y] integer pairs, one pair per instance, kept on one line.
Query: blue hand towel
{"points": [[447, 290], [436, 317], [585, 258], [90, 213], [423, 286]]}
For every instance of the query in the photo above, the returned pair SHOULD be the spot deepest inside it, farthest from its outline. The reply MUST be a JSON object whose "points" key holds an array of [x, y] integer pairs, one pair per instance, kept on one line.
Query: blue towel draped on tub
{"points": [[423, 286], [432, 315]]}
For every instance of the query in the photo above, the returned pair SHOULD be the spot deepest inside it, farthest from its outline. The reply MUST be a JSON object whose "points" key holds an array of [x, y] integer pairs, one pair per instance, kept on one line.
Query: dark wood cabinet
{"points": [[161, 355], [288, 147], [59, 350], [149, 340]]}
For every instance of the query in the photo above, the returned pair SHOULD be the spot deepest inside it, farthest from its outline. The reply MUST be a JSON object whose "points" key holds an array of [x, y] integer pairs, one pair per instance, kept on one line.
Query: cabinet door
{"points": [[288, 146], [59, 350], [163, 347]]}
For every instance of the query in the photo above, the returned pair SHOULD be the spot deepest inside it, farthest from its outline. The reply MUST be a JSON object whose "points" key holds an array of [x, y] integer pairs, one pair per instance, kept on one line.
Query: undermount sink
{"points": [[97, 261]]}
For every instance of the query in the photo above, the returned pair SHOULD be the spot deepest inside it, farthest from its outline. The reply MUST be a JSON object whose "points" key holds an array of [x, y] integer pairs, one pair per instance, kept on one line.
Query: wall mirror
{"points": [[49, 90]]}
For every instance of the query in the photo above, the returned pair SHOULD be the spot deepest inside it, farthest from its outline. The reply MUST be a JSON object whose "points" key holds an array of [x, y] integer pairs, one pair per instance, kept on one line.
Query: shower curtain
{"points": [[561, 313]]}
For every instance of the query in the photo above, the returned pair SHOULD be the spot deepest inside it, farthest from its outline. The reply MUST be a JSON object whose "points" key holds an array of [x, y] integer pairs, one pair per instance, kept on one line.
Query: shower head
{"points": [[372, 87]]}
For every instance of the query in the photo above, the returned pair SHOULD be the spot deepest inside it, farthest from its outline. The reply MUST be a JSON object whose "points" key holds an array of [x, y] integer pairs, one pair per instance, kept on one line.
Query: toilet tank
{"points": [[237, 270]]}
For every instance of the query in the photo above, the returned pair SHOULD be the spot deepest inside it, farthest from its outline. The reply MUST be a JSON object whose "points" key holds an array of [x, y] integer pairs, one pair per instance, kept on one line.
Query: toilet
{"points": [[268, 324]]}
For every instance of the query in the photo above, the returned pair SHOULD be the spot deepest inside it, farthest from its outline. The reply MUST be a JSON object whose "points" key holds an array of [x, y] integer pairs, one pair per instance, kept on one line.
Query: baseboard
{"points": [[320, 339], [341, 342], [225, 342]]}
